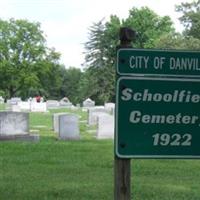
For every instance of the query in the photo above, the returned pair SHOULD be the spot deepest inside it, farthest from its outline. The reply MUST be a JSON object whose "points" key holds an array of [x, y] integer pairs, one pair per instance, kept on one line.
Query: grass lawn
{"points": [[83, 170]]}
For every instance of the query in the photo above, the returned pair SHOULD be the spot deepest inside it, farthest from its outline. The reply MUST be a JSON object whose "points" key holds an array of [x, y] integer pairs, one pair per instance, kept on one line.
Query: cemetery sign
{"points": [[157, 117], [158, 62]]}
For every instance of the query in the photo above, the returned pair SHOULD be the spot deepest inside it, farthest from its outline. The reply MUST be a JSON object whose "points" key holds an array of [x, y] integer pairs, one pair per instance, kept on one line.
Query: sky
{"points": [[66, 23]]}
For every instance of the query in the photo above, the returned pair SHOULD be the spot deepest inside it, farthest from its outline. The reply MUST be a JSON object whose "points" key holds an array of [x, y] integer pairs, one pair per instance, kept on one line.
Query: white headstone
{"points": [[15, 126], [24, 105], [68, 127], [65, 102], [52, 104], [88, 103], [94, 112], [110, 107], [38, 107], [13, 100], [34, 100], [15, 108], [14, 123], [56, 121], [65, 99], [105, 127]]}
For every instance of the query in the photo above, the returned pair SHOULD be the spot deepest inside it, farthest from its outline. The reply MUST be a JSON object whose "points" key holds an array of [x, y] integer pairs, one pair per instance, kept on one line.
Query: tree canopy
{"points": [[26, 63], [148, 25], [29, 67], [190, 18], [190, 38], [104, 38]]}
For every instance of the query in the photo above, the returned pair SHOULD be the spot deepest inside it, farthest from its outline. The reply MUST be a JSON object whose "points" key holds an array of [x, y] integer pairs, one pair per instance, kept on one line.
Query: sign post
{"points": [[122, 166], [157, 108]]}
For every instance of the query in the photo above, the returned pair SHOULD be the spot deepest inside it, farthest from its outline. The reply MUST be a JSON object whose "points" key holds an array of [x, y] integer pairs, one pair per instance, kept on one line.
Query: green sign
{"points": [[157, 118], [158, 62]]}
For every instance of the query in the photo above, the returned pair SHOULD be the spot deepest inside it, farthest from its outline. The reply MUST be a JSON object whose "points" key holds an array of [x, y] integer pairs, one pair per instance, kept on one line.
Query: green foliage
{"points": [[169, 41], [51, 79], [25, 60], [2, 93], [149, 26], [28, 67], [102, 43], [190, 39], [178, 41], [101, 85], [86, 86], [20, 48], [70, 84], [100, 59], [190, 18]]}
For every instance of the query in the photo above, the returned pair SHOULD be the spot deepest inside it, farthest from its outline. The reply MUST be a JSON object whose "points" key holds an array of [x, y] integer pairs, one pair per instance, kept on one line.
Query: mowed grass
{"points": [[83, 170]]}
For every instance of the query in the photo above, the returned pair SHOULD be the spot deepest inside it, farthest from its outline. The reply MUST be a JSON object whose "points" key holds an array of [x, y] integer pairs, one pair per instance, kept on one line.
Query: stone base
{"points": [[24, 137]]}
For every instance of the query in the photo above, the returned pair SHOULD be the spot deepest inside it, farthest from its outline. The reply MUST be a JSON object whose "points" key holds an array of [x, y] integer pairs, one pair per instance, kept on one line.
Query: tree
{"points": [[149, 26], [170, 41], [190, 18], [24, 57], [70, 84], [86, 86], [178, 41], [102, 43], [100, 58], [190, 39], [51, 78]]}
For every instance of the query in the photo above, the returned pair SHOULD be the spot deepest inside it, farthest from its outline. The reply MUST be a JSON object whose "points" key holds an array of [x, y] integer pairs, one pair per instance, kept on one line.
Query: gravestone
{"points": [[110, 107], [38, 107], [12, 123], [68, 127], [14, 100], [65, 102], [94, 112], [15, 126], [105, 126], [52, 104], [88, 103], [56, 121], [24, 105], [15, 108], [11, 102]]}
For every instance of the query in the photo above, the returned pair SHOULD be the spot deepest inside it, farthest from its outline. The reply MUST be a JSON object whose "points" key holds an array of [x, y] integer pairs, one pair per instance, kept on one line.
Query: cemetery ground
{"points": [[52, 169]]}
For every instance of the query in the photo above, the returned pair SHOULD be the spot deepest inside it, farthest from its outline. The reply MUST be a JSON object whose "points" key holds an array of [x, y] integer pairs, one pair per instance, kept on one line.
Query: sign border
{"points": [[155, 75], [116, 120]]}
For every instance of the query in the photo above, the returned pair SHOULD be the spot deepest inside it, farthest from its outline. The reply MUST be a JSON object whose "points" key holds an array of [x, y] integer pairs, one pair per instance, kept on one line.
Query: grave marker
{"points": [[105, 126], [68, 127]]}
